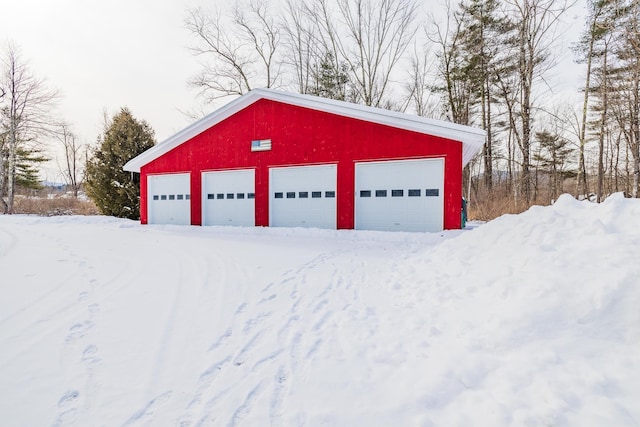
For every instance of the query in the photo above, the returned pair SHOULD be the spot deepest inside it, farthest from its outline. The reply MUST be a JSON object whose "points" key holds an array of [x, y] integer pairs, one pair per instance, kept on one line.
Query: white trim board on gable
{"points": [[472, 138]]}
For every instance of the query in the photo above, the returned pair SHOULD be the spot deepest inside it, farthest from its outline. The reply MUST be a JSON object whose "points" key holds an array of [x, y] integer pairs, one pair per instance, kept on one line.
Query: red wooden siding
{"points": [[302, 136]]}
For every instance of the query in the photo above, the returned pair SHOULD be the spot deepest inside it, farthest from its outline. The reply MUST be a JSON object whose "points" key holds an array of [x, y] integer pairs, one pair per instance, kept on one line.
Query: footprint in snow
{"points": [[269, 286], [320, 305], [94, 308], [150, 408], [280, 386], [68, 399], [66, 406], [267, 299], [252, 323], [223, 339], [78, 330], [212, 371], [90, 355], [243, 354], [243, 410]]}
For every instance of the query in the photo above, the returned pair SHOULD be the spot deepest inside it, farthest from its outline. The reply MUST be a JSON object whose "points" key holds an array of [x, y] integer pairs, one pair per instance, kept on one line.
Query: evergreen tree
{"points": [[625, 81], [113, 190], [483, 33], [329, 81], [26, 168], [553, 157]]}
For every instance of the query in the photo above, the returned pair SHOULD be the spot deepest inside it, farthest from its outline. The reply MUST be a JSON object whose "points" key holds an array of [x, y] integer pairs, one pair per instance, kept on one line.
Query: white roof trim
{"points": [[472, 138]]}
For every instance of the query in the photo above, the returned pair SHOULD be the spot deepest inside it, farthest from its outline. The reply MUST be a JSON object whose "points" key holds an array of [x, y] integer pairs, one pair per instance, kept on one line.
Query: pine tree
{"points": [[483, 33], [113, 190], [329, 81], [553, 157], [26, 168]]}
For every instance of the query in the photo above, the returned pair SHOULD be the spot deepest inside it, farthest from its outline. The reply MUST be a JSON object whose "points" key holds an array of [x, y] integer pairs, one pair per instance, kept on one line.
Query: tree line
{"points": [[27, 122], [485, 63]]}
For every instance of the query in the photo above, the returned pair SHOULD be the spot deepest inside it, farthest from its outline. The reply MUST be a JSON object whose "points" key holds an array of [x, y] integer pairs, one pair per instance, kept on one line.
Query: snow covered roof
{"points": [[472, 138]]}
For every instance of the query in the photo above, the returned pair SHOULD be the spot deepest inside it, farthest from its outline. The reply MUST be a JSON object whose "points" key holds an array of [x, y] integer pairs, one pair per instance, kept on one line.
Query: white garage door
{"points": [[168, 199], [303, 196], [228, 198], [402, 195]]}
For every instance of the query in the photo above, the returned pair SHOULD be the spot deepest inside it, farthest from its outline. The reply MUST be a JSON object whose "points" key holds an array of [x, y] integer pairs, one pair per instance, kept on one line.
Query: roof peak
{"points": [[471, 138]]}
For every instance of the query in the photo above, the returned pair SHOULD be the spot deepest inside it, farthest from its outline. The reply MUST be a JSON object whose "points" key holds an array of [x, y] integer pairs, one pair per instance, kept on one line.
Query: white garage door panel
{"points": [[168, 199], [228, 198], [303, 196], [402, 195]]}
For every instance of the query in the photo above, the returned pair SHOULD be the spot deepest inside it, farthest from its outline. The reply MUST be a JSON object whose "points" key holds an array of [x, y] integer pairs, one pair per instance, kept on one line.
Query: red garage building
{"points": [[271, 158]]}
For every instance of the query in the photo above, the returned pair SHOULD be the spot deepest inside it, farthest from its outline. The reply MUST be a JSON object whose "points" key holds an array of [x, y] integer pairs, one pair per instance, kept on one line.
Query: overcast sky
{"points": [[109, 54], [106, 55]]}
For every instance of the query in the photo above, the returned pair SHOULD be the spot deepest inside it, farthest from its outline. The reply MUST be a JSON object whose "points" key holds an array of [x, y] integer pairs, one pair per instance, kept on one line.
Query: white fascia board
{"points": [[471, 138]]}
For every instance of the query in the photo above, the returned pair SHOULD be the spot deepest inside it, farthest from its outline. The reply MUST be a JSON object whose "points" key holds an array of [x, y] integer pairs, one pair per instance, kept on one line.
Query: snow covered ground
{"points": [[529, 320]]}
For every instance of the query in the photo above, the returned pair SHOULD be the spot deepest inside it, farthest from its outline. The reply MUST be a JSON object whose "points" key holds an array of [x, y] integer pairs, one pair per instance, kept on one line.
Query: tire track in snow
{"points": [[7, 241], [190, 283]]}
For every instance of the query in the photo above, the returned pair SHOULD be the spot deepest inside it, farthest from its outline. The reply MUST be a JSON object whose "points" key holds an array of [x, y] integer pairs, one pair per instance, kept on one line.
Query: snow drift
{"points": [[530, 319]]}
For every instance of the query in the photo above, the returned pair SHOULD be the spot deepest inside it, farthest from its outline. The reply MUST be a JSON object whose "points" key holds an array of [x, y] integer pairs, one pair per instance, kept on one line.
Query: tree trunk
{"points": [[603, 122], [11, 167], [581, 180]]}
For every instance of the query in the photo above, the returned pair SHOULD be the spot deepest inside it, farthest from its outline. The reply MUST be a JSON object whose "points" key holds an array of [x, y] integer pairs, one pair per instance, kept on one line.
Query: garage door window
{"points": [[432, 192], [365, 193], [251, 196], [316, 194], [381, 193], [414, 193], [397, 193], [330, 194]]}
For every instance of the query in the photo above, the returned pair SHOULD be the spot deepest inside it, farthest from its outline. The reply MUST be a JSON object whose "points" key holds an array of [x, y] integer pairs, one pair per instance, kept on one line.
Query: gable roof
{"points": [[472, 138]]}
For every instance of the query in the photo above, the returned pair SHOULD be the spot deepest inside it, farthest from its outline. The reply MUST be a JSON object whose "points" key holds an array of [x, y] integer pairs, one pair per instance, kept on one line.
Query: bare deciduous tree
{"points": [[71, 170], [380, 32], [25, 114], [447, 38], [364, 38], [300, 44], [238, 48], [535, 22], [419, 84]]}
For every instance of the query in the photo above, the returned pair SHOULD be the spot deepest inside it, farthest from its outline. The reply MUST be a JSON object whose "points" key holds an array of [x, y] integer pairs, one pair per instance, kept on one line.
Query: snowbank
{"points": [[530, 319]]}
